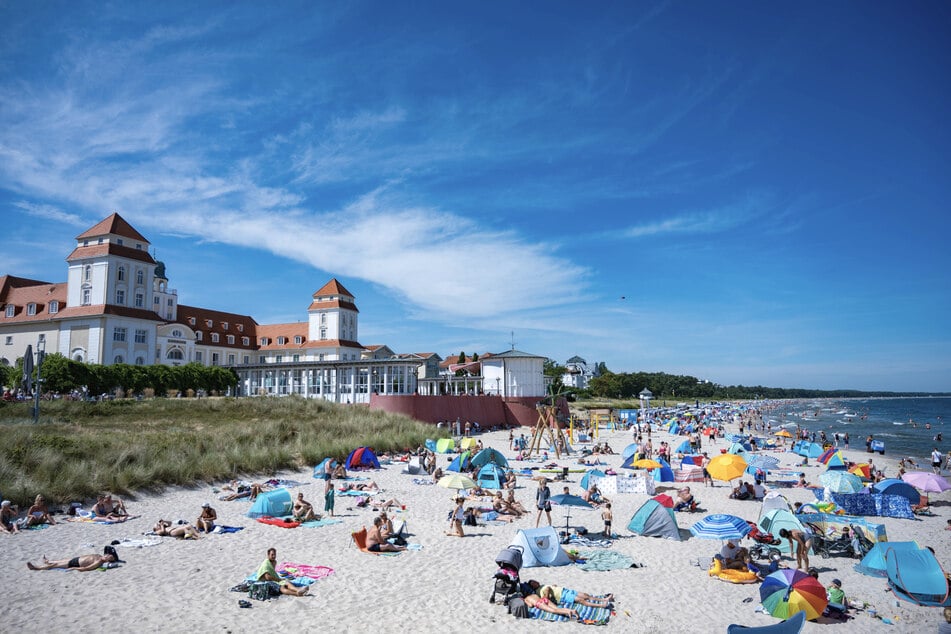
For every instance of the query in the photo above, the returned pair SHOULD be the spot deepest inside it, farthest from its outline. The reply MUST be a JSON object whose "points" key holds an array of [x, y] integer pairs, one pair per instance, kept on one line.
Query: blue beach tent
{"points": [[629, 451], [491, 476], [362, 458], [654, 519], [321, 468], [586, 478], [489, 456], [462, 462], [917, 577], [737, 449], [873, 563], [276, 503], [665, 473], [683, 447], [894, 486]]}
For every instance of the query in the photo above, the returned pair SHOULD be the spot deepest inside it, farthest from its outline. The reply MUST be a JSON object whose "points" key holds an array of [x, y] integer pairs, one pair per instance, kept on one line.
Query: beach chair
{"points": [[792, 625]]}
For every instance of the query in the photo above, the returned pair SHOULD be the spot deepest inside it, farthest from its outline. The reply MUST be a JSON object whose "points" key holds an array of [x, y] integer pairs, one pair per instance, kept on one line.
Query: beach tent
{"points": [[674, 429], [462, 462], [832, 458], [276, 503], [737, 448], [684, 447], [917, 577], [773, 501], [319, 469], [807, 449], [441, 445], [630, 450], [586, 478], [654, 520], [873, 563], [777, 519], [489, 456], [468, 443], [665, 473], [491, 476], [362, 458], [414, 465], [691, 461], [894, 486], [540, 547]]}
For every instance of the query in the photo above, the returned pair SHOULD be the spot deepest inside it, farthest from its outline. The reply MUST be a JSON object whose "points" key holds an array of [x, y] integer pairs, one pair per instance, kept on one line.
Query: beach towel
{"points": [[99, 520], [277, 521], [422, 481], [138, 543], [600, 560], [304, 570], [586, 614], [354, 493], [227, 529], [578, 540], [323, 522]]}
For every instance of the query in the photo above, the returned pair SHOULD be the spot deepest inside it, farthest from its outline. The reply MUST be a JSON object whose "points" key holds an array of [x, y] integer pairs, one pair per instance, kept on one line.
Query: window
{"points": [[155, 300], [198, 356], [140, 277], [42, 337], [281, 341], [323, 319], [11, 310], [118, 334], [31, 309], [296, 358], [245, 341], [298, 339], [176, 333], [9, 340], [141, 335], [121, 273], [214, 337], [171, 303], [139, 300], [191, 321], [119, 241], [224, 325], [246, 360], [278, 359], [214, 358], [208, 323], [87, 273], [240, 327], [198, 335], [118, 359], [138, 246], [175, 354], [230, 340], [54, 307], [139, 361], [264, 341], [85, 243], [261, 359], [87, 297], [120, 297], [323, 333], [230, 359]]}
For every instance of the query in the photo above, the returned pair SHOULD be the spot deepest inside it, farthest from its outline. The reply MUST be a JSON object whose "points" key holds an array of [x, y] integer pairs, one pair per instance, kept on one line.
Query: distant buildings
{"points": [[577, 373]]}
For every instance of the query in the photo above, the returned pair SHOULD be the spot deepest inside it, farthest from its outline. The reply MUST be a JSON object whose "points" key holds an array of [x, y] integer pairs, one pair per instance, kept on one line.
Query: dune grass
{"points": [[79, 449]]}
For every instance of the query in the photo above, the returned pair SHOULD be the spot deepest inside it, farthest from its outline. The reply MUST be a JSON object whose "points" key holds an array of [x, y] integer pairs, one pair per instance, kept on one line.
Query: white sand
{"points": [[183, 586]]}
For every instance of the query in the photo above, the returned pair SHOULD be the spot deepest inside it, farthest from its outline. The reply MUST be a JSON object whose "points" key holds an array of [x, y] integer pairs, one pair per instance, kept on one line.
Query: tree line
{"points": [[61, 375]]}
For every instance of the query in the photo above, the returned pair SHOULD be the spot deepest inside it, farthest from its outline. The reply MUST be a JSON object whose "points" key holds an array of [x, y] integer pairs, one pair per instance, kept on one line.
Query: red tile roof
{"points": [[109, 248], [115, 225], [333, 287], [218, 319], [20, 292], [288, 331]]}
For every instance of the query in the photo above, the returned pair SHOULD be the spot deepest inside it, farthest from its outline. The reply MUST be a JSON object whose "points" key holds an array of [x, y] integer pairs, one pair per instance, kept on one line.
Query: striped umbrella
{"points": [[762, 461], [721, 526]]}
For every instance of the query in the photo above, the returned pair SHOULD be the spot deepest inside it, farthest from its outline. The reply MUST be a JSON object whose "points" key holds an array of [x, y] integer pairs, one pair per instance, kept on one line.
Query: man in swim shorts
{"points": [[83, 563], [267, 572]]}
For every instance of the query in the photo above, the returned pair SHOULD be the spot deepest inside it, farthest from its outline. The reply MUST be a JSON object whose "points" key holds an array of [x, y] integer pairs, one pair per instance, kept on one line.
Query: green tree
{"points": [[475, 357], [555, 374], [461, 358], [61, 375]]}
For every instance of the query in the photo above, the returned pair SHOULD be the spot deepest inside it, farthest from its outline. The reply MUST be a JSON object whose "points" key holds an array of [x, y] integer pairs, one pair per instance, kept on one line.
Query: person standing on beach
{"points": [[329, 497], [845, 440], [936, 460], [543, 501]]}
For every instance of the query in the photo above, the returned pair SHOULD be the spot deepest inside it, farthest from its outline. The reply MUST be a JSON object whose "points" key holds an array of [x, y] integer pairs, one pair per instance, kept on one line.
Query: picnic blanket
{"points": [[88, 517], [222, 529], [586, 614], [578, 540], [874, 504], [295, 570], [600, 560], [322, 522]]}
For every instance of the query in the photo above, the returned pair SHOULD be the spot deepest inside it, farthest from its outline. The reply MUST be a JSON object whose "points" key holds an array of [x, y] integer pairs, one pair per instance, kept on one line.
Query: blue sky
{"points": [[745, 192]]}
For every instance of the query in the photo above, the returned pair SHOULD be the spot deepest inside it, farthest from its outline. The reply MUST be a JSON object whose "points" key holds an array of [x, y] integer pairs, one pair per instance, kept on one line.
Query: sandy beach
{"points": [[178, 586]]}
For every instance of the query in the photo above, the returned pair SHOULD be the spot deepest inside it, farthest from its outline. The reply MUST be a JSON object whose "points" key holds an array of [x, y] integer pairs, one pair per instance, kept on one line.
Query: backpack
{"points": [[262, 591]]}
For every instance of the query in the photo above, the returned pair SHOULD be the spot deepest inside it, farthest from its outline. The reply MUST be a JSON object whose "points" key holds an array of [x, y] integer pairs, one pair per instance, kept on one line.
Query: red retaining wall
{"points": [[488, 411]]}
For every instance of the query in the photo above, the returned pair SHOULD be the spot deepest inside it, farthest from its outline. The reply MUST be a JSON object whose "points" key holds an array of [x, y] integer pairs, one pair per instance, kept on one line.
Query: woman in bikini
{"points": [[164, 528], [535, 601]]}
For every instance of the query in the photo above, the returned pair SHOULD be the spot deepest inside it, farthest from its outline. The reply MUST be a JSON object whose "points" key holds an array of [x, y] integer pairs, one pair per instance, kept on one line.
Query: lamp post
{"points": [[646, 397], [40, 354], [498, 390]]}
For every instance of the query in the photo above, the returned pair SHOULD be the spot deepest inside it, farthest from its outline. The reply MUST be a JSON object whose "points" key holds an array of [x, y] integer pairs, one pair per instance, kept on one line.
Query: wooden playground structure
{"points": [[548, 428]]}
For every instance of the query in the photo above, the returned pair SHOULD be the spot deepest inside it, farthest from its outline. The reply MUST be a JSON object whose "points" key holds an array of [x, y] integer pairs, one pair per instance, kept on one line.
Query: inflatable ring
{"points": [[730, 575]]}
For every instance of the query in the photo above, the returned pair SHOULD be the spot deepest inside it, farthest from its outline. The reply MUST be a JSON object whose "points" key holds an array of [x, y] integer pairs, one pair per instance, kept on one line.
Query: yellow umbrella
{"points": [[646, 463], [783, 433], [726, 467], [457, 481]]}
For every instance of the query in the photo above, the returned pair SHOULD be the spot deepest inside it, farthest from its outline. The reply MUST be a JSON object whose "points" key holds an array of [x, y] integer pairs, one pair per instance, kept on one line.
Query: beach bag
{"points": [[517, 608], [263, 590]]}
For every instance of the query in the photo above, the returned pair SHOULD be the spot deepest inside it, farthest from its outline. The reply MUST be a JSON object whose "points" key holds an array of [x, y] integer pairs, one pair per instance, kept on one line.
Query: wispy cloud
{"points": [[709, 221], [49, 212]]}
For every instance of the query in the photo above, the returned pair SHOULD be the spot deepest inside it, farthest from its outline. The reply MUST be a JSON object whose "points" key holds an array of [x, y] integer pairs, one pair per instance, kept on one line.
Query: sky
{"points": [[749, 193]]}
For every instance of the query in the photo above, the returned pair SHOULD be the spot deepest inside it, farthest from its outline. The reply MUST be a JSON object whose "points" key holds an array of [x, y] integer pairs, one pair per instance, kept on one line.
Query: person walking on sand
{"points": [[607, 516], [456, 518], [329, 497], [543, 501]]}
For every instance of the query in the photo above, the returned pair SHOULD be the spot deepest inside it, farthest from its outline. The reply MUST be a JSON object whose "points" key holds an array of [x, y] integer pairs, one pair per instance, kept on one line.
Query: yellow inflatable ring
{"points": [[728, 574]]}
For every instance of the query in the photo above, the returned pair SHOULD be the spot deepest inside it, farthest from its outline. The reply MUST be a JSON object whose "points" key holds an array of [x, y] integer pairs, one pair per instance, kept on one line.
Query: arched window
{"points": [[175, 354], [118, 359], [121, 274], [87, 273], [139, 361]]}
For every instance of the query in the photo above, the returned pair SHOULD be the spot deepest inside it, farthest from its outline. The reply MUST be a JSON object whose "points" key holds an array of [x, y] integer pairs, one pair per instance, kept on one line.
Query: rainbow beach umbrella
{"points": [[788, 591], [832, 459]]}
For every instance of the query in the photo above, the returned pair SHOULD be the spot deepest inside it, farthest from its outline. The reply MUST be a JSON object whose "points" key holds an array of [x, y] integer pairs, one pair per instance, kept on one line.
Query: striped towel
{"points": [[599, 616]]}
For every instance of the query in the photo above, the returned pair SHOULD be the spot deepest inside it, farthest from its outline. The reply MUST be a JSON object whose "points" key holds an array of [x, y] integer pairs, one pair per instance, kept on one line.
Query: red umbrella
{"points": [[665, 500]]}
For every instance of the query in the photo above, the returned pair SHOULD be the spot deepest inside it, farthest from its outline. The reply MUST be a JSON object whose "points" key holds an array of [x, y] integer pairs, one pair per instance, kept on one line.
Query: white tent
{"points": [[540, 547]]}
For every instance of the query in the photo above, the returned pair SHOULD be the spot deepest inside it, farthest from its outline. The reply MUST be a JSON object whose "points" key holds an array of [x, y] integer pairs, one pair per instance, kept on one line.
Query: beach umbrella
{"points": [[721, 526], [863, 471], [457, 481], [568, 500], [926, 481], [894, 486], [783, 433], [762, 461], [646, 463], [788, 591], [726, 467], [27, 381], [664, 500], [841, 482]]}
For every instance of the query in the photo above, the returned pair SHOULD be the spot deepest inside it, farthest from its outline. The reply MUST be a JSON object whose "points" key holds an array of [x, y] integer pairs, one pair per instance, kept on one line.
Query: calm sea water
{"points": [[902, 423]]}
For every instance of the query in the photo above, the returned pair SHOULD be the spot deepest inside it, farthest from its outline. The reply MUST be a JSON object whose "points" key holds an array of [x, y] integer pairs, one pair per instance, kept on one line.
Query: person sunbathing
{"points": [[103, 509], [340, 472], [39, 513], [240, 490], [545, 605], [566, 596], [165, 528], [376, 542], [388, 504], [82, 563], [206, 521], [303, 510], [266, 572], [370, 486], [515, 504], [8, 518]]}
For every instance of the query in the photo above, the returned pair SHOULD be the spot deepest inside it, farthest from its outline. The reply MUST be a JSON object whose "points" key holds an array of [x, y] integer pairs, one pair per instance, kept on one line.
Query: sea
{"points": [[909, 426]]}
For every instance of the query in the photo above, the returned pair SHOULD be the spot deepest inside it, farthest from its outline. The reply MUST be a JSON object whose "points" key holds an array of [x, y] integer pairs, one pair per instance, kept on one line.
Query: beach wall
{"points": [[488, 411]]}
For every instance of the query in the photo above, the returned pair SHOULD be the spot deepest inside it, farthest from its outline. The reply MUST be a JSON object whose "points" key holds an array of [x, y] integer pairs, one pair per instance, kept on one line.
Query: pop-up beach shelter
{"points": [[441, 445], [321, 468], [489, 456], [773, 501], [491, 476], [653, 519], [773, 521], [665, 473], [683, 447], [276, 503], [586, 478], [630, 450], [916, 576], [737, 449], [807, 449], [873, 563], [462, 462], [540, 547], [362, 458]]}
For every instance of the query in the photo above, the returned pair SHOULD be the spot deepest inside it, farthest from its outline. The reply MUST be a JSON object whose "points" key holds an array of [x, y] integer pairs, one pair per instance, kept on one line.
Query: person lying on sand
{"points": [[82, 563], [164, 528], [558, 595], [239, 490], [363, 486], [545, 605]]}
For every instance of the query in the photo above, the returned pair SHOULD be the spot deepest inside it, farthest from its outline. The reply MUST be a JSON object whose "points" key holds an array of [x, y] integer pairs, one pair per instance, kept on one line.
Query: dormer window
{"points": [[281, 341], [85, 243], [298, 340], [214, 337], [54, 307], [208, 322], [264, 341], [138, 246], [119, 241], [31, 309], [11, 310], [240, 327], [230, 340], [198, 335], [191, 321], [245, 341], [224, 325]]}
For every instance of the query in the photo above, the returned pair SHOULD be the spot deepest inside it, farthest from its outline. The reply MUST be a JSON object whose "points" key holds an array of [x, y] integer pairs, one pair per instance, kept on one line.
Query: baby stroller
{"points": [[763, 547], [506, 578], [840, 544]]}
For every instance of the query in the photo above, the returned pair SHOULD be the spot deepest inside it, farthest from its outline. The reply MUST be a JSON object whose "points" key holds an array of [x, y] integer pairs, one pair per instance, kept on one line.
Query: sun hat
{"points": [[5, 503], [206, 505]]}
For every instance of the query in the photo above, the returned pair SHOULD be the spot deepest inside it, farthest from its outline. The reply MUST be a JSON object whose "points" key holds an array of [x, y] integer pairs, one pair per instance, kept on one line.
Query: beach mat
{"points": [[221, 529], [600, 560], [305, 570], [586, 614], [324, 522]]}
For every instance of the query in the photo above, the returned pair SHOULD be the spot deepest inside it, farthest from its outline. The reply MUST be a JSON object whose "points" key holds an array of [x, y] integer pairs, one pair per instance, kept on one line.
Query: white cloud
{"points": [[49, 212]]}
